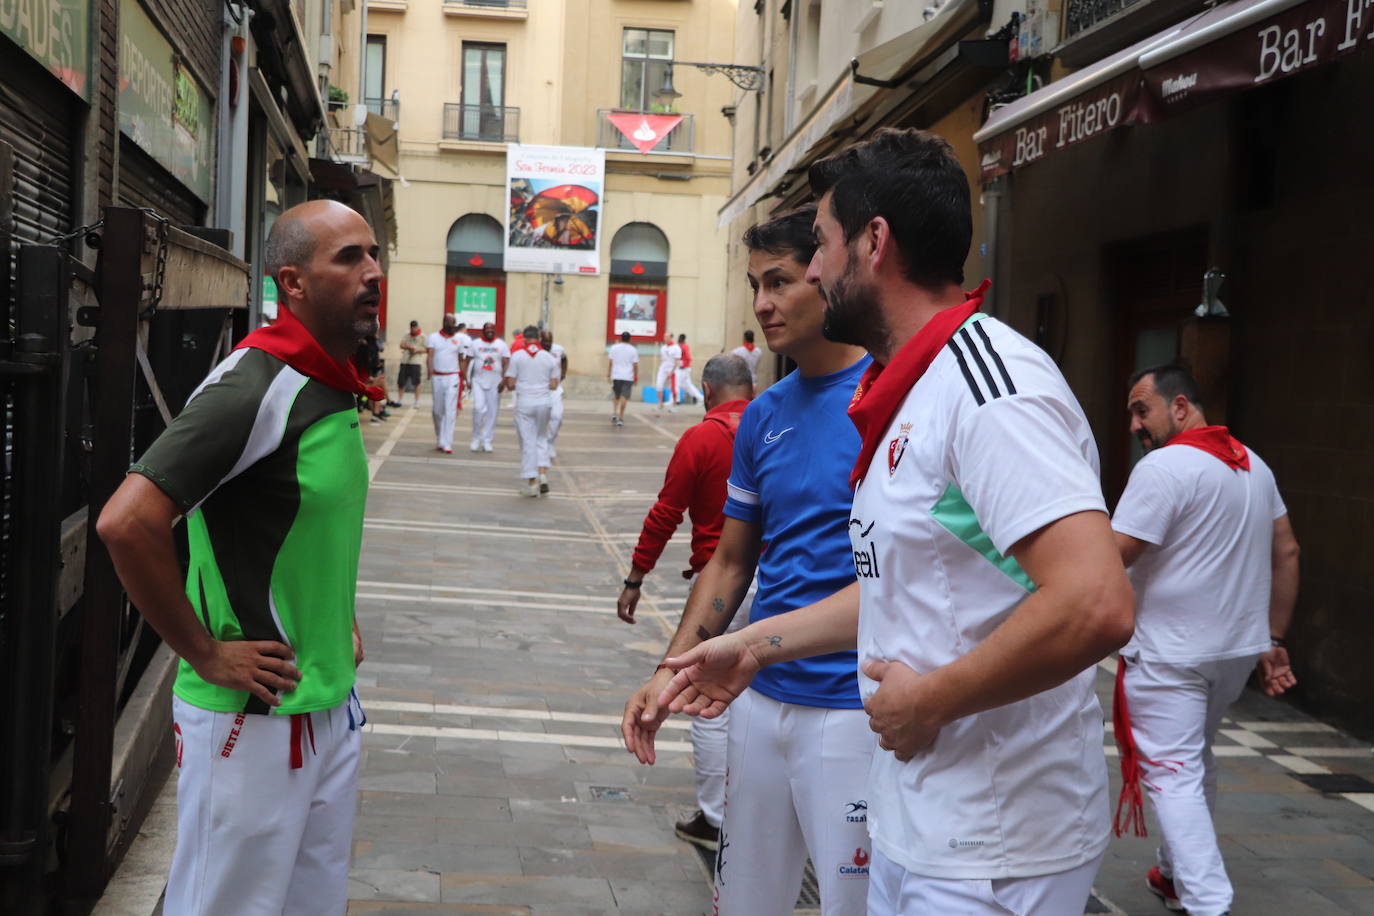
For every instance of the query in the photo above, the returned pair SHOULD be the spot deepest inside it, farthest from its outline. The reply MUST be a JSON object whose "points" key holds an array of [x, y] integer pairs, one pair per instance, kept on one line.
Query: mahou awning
{"points": [[1232, 47]]}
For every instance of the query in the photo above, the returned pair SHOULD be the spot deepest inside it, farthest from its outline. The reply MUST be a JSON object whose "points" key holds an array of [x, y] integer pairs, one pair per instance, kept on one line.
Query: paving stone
{"points": [[392, 884], [570, 892]]}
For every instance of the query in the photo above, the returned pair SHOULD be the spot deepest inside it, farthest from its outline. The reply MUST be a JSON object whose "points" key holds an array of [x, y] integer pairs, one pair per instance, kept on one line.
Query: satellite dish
{"points": [[359, 115]]}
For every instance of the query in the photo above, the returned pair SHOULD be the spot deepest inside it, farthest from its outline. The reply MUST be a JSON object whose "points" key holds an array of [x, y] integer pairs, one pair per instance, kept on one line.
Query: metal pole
{"points": [[120, 295]]}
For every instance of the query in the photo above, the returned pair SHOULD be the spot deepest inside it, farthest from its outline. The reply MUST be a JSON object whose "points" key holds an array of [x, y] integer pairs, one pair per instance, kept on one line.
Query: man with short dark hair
{"points": [[623, 371], [487, 367], [750, 354], [1206, 537], [685, 387], [989, 584], [799, 745], [408, 378], [533, 374], [695, 483], [266, 464]]}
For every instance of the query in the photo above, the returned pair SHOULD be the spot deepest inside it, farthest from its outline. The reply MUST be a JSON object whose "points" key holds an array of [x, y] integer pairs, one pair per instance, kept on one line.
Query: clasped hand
{"points": [[896, 710]]}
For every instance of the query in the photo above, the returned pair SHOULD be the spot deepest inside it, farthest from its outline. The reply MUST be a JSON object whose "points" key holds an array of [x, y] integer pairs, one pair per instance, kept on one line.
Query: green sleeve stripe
{"points": [[953, 513]]}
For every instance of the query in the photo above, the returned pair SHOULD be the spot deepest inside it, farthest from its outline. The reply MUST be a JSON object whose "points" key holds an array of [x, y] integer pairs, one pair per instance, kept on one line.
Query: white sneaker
{"points": [[543, 484], [475, 447], [530, 489], [486, 446]]}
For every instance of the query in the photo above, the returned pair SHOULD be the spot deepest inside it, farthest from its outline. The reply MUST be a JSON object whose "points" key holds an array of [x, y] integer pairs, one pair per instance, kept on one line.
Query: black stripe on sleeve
{"points": [[982, 366], [968, 376], [1001, 367]]}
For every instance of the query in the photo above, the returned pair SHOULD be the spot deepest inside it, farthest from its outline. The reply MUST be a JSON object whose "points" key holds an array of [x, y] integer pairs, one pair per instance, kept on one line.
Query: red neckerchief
{"points": [[1218, 442], [416, 332], [748, 345], [447, 333], [532, 349], [882, 389], [292, 343]]}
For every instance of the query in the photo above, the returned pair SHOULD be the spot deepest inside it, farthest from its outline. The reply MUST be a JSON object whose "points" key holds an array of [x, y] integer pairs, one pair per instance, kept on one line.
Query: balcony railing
{"points": [[1081, 15], [348, 143], [608, 136], [386, 108], [483, 123]]}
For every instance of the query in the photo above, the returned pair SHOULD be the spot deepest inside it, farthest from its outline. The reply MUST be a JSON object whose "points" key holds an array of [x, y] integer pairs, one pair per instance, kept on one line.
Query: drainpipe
{"points": [[993, 192]]}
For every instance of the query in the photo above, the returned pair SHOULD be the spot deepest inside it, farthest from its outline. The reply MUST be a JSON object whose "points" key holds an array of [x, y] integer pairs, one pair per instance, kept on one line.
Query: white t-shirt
{"points": [[532, 375], [486, 361], [447, 351], [751, 357], [624, 357], [988, 447], [1202, 588], [557, 352], [669, 357]]}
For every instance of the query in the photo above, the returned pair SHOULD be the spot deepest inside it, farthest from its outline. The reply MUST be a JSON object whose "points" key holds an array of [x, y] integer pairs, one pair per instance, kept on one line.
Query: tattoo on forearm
{"points": [[775, 641], [719, 605], [703, 633]]}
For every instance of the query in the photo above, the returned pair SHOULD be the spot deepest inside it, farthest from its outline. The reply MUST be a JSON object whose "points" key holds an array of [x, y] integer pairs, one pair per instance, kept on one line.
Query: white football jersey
{"points": [[989, 446]]}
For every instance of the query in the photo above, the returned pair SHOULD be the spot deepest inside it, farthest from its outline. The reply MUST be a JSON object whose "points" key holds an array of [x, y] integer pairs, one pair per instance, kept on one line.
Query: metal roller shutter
{"points": [[144, 183], [36, 119]]}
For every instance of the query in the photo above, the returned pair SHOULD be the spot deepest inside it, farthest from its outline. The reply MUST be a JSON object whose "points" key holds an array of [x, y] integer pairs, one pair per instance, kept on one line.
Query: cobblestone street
{"points": [[494, 780]]}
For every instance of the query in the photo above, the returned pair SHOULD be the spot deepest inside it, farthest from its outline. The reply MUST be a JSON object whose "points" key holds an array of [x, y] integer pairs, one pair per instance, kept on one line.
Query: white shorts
{"points": [[894, 891], [256, 836], [796, 785]]}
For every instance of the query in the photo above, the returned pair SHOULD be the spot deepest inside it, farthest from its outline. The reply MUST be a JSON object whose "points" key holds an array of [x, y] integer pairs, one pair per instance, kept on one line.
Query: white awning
{"points": [[1216, 23]]}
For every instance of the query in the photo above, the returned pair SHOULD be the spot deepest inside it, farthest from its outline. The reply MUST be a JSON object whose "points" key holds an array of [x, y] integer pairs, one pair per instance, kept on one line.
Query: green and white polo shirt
{"points": [[268, 466]]}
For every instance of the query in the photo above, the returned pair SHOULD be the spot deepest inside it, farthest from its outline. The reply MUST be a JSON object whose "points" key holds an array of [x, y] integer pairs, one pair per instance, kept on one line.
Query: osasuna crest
{"points": [[897, 448]]}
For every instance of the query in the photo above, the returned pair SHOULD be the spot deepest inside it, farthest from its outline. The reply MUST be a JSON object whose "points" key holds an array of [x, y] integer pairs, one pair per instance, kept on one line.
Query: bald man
{"points": [[266, 464]]}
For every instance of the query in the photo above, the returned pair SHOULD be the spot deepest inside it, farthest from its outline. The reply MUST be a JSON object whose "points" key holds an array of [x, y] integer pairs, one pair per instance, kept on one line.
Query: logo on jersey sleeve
{"points": [[856, 812], [865, 549], [856, 867], [897, 448]]}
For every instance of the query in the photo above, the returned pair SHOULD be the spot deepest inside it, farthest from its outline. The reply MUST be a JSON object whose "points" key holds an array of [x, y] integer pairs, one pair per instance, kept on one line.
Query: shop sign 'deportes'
{"points": [[56, 33], [161, 107]]}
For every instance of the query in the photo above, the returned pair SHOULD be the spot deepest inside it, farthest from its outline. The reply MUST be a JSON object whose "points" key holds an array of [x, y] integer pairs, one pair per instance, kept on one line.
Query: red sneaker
{"points": [[1163, 888]]}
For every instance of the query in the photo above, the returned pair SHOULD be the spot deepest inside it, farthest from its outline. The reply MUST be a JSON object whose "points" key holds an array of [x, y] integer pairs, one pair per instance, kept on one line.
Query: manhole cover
{"points": [[1335, 783], [610, 793]]}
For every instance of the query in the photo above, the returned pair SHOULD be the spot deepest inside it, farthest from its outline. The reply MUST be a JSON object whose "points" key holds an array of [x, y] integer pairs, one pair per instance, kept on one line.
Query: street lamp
{"points": [[750, 79]]}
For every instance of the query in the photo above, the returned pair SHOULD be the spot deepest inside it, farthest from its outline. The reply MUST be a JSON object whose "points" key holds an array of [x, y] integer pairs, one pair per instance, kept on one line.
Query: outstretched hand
{"points": [[895, 710], [710, 676], [1275, 671]]}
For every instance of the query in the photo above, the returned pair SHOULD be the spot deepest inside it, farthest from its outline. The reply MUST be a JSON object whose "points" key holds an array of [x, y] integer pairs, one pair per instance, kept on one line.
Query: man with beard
{"points": [[490, 357], [989, 584], [266, 464], [798, 746], [1214, 563], [448, 357], [533, 374]]}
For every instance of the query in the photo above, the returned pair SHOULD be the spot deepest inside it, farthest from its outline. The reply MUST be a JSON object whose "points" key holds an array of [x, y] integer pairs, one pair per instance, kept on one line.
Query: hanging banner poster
{"points": [[555, 209]]}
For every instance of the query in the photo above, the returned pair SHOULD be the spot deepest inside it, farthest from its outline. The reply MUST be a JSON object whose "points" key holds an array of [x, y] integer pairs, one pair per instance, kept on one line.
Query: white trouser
{"points": [[254, 836], [796, 785], [445, 388], [486, 403], [532, 427], [555, 419], [685, 387], [894, 891], [710, 737], [1175, 713], [667, 380]]}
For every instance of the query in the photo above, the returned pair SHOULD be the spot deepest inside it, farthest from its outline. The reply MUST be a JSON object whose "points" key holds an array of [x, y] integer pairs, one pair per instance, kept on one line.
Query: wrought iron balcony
{"points": [[348, 144], [483, 123], [679, 140], [1081, 15], [386, 108]]}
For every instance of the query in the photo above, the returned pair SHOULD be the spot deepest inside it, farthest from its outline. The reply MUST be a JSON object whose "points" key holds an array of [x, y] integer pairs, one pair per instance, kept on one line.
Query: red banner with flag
{"points": [[645, 131]]}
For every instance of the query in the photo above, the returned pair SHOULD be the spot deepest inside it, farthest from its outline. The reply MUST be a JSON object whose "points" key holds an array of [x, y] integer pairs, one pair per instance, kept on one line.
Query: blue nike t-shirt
{"points": [[793, 453]]}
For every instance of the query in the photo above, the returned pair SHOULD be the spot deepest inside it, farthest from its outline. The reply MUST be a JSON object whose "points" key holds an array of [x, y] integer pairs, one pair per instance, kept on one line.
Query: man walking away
{"points": [[408, 378], [1214, 563], [669, 358], [685, 388], [750, 354], [533, 374], [695, 483], [490, 358], [266, 464], [556, 412], [447, 350], [623, 371]]}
